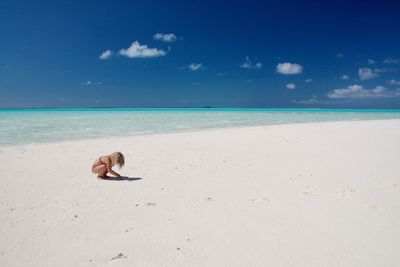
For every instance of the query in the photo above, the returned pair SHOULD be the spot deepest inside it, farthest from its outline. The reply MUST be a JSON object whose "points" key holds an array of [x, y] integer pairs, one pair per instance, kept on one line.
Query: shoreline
{"points": [[5, 147], [205, 108]]}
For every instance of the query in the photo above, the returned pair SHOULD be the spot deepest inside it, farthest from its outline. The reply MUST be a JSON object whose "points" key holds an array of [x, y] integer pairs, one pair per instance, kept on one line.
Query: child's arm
{"points": [[110, 170]]}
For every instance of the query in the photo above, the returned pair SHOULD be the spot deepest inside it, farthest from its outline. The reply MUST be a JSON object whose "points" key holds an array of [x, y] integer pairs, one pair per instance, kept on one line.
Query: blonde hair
{"points": [[117, 159]]}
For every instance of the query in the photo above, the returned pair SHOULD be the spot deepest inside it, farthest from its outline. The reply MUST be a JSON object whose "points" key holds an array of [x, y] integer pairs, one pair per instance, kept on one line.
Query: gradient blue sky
{"points": [[342, 54]]}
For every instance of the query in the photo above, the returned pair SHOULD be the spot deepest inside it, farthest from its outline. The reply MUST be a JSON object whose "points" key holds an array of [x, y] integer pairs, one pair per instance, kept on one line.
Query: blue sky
{"points": [[200, 53]]}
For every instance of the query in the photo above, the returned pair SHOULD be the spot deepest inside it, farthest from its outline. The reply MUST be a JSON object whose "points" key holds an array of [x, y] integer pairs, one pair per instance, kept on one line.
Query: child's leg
{"points": [[101, 170]]}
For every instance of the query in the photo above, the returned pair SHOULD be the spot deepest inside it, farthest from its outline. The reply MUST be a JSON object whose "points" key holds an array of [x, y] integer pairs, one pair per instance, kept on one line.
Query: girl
{"points": [[103, 165]]}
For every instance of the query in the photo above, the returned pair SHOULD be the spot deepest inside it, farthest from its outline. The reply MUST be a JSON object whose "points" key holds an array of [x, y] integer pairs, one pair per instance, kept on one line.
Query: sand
{"points": [[318, 194]]}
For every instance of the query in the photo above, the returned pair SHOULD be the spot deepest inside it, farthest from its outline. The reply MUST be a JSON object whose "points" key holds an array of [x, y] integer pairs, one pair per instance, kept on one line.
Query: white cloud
{"points": [[366, 73], [246, 64], [308, 80], [219, 74], [136, 50], [390, 60], [340, 55], [382, 70], [307, 101], [371, 62], [106, 54], [91, 83], [358, 91], [344, 77], [289, 68], [249, 65], [165, 37], [291, 86], [195, 66], [393, 82]]}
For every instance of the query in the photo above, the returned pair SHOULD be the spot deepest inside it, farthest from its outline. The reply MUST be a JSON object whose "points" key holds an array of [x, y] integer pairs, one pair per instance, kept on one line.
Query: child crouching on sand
{"points": [[103, 165]]}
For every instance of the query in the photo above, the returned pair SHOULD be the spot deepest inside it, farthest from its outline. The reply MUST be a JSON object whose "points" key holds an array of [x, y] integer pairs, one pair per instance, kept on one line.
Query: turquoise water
{"points": [[26, 126]]}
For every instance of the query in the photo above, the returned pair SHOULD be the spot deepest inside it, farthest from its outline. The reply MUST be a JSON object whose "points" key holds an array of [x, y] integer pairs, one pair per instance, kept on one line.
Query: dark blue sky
{"points": [[208, 53]]}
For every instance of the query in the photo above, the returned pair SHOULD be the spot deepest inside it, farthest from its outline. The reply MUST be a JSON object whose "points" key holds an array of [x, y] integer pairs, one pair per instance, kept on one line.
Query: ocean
{"points": [[27, 126]]}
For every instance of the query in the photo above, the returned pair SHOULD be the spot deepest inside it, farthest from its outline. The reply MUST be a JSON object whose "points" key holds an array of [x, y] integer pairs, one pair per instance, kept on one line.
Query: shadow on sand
{"points": [[122, 178]]}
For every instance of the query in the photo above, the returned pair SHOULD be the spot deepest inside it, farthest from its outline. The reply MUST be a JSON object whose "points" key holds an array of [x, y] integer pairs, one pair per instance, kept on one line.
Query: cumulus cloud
{"points": [[165, 37], [366, 73], [358, 91], [289, 68], [393, 82], [390, 60], [371, 62], [246, 64], [194, 66], [136, 50], [308, 80], [250, 65], [344, 77], [106, 54], [291, 86]]}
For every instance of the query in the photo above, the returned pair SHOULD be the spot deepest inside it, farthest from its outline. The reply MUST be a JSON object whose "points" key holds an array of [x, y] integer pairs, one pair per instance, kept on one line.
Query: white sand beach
{"points": [[316, 194]]}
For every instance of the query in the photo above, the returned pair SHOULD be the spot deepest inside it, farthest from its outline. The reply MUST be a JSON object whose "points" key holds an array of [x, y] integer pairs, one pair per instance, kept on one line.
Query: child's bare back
{"points": [[103, 165]]}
